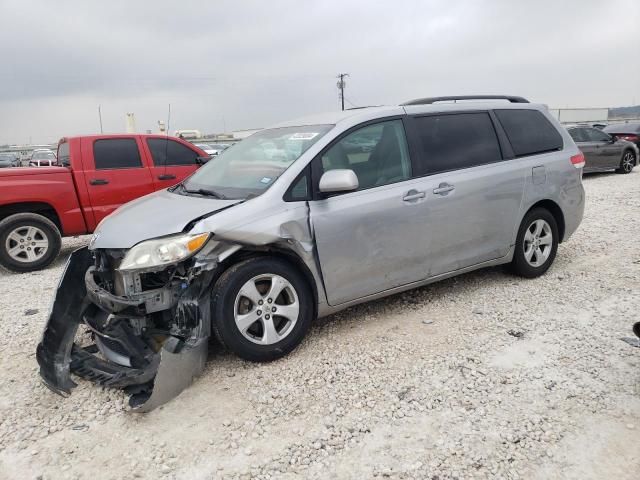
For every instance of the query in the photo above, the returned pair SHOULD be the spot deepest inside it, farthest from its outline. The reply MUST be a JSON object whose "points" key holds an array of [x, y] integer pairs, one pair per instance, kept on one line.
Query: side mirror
{"points": [[340, 180], [202, 160]]}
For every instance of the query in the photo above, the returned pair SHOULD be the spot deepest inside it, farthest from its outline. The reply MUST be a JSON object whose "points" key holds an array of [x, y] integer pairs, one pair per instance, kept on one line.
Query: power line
{"points": [[341, 85]]}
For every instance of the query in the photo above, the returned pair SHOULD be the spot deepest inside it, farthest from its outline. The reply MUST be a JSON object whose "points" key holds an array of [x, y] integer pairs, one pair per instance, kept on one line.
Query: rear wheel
{"points": [[536, 244], [627, 162], [28, 242], [262, 308]]}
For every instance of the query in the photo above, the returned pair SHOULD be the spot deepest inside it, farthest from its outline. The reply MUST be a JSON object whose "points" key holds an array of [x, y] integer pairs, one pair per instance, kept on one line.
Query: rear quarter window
{"points": [[169, 152], [529, 132]]}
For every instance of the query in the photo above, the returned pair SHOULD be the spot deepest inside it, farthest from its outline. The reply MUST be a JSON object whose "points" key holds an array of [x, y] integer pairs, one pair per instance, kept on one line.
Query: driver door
{"points": [[369, 240]]}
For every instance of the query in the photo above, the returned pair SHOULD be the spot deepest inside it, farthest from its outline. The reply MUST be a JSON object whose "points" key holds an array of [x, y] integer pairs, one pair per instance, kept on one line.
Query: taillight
{"points": [[629, 138], [578, 160]]}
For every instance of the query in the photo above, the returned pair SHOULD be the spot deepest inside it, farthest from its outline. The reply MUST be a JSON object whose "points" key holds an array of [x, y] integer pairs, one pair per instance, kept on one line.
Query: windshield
{"points": [[252, 165]]}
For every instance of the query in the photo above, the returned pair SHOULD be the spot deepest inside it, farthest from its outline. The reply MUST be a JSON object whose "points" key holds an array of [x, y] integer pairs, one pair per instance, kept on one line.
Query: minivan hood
{"points": [[155, 215]]}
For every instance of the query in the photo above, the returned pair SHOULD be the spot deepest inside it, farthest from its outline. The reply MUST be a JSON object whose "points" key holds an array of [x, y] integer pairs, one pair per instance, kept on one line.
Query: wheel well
{"points": [[556, 211], [40, 208], [282, 254]]}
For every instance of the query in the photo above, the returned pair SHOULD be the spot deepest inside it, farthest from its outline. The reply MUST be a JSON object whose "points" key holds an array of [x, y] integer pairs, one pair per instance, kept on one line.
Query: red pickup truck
{"points": [[95, 175]]}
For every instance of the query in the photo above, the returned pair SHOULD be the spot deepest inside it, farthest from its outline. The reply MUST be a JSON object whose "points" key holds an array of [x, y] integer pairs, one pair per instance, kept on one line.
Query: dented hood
{"points": [[156, 215]]}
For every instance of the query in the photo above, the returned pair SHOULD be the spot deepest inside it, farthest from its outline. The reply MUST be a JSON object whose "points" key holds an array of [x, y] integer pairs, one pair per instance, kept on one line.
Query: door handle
{"points": [[98, 181], [413, 195], [166, 177], [443, 189]]}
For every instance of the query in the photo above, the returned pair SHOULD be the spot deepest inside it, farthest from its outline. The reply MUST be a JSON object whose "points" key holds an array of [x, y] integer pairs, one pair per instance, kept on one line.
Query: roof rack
{"points": [[430, 100]]}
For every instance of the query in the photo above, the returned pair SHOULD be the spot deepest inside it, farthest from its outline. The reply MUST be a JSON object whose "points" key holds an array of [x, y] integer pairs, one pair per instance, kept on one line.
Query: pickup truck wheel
{"points": [[262, 308], [28, 242]]}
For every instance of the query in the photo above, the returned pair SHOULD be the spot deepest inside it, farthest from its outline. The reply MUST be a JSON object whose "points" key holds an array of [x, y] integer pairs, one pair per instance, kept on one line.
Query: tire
{"points": [[627, 162], [244, 325], [19, 229], [528, 261]]}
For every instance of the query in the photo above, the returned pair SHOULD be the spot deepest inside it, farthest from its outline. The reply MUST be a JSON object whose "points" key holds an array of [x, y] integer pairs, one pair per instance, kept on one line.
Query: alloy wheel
{"points": [[628, 161], [266, 309], [538, 243], [26, 244]]}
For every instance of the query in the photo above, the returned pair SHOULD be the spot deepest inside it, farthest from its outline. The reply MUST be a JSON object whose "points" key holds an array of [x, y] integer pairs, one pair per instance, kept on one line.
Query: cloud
{"points": [[247, 64]]}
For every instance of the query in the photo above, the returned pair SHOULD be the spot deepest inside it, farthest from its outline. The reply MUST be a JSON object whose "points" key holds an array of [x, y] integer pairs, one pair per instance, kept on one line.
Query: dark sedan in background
{"points": [[603, 151], [625, 131]]}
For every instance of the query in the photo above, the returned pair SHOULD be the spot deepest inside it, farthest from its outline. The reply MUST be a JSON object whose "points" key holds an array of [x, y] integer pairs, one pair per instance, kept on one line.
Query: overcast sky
{"points": [[246, 64]]}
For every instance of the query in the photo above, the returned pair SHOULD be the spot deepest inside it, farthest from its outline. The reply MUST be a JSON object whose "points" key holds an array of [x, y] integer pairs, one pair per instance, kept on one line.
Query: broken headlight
{"points": [[163, 251]]}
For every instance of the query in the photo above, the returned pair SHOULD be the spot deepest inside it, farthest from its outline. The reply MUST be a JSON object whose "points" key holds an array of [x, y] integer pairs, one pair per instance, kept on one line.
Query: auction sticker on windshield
{"points": [[303, 136]]}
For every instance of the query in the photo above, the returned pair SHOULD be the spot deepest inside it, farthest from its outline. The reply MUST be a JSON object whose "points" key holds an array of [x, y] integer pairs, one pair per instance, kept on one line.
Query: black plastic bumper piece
{"points": [[54, 350], [108, 374]]}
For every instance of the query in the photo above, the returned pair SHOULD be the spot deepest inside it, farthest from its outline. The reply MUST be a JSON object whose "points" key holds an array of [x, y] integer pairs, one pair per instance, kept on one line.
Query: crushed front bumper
{"points": [[152, 365]]}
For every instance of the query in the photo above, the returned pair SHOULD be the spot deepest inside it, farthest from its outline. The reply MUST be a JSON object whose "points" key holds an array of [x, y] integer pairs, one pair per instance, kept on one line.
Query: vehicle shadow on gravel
{"points": [[370, 314]]}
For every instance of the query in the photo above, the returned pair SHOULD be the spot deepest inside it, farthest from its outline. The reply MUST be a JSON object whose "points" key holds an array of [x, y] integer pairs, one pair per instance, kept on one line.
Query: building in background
{"points": [[131, 123]]}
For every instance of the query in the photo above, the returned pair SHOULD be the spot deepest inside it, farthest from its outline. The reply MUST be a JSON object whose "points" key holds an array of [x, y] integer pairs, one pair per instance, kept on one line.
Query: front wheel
{"points": [[627, 162], [536, 244], [28, 242], [262, 308]]}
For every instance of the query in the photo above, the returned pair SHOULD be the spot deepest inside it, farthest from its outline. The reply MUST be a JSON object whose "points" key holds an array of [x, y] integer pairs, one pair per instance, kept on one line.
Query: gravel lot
{"points": [[482, 376]]}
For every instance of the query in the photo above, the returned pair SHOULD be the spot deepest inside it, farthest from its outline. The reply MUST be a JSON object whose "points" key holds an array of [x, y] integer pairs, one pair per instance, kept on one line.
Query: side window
{"points": [[377, 153], [595, 135], [63, 154], [165, 151], [454, 141], [299, 190], [110, 153], [529, 132], [578, 135]]}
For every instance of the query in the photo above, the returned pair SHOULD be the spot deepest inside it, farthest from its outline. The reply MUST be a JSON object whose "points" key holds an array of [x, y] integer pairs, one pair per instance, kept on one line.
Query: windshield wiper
{"points": [[205, 192]]}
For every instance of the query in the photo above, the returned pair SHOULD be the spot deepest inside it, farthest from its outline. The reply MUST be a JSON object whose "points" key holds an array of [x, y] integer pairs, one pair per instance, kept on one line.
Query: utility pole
{"points": [[100, 118], [341, 85]]}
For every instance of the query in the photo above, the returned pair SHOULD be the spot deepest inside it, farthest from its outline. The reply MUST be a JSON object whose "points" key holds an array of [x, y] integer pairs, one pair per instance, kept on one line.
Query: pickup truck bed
{"points": [[98, 173]]}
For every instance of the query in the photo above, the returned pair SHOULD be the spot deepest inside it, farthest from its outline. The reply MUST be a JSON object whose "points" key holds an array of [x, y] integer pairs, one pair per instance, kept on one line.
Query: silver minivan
{"points": [[305, 219]]}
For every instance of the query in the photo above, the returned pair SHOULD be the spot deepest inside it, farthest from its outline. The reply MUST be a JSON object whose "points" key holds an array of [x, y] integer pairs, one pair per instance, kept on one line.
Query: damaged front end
{"points": [[149, 328]]}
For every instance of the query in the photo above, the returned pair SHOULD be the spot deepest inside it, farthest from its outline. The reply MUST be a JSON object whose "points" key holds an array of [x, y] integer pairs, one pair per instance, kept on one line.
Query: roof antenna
{"points": [[100, 118], [166, 144]]}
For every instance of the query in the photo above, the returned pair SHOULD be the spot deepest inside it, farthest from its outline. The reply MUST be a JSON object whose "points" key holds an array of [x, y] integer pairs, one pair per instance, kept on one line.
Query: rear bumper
{"points": [[127, 351]]}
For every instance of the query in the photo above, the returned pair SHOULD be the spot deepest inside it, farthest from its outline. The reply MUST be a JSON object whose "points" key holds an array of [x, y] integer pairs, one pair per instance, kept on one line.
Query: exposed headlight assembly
{"points": [[163, 251]]}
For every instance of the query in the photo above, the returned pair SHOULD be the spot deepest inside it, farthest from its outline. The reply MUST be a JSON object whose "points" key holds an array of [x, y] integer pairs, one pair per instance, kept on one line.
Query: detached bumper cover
{"points": [[155, 376], [54, 350]]}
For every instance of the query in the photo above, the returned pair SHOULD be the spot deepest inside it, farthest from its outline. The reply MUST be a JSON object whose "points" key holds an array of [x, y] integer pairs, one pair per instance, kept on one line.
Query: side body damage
{"points": [[149, 330]]}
